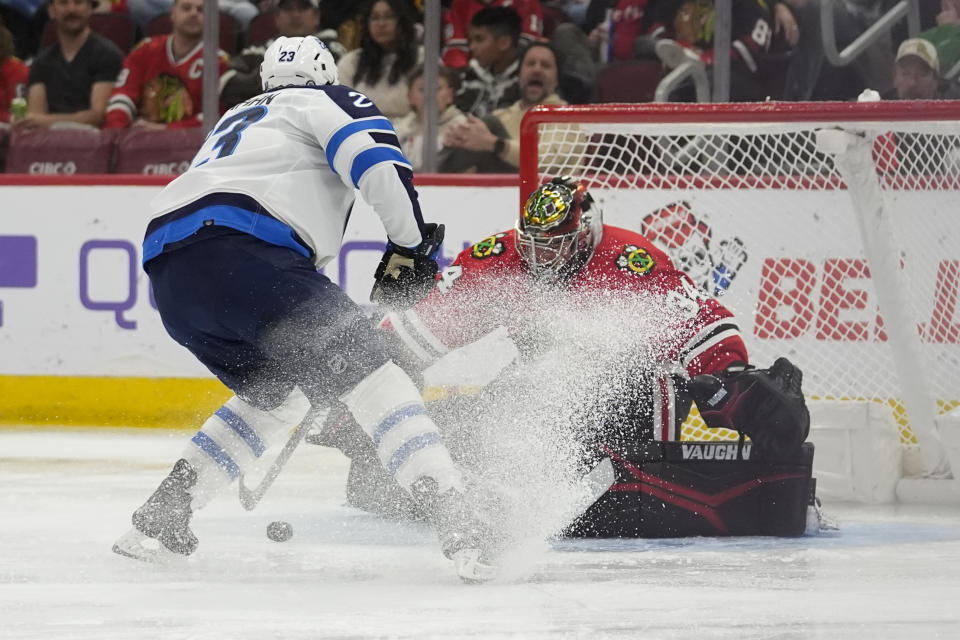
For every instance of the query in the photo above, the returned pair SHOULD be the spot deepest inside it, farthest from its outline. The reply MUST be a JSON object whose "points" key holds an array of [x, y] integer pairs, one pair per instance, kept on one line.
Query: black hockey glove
{"points": [[765, 404], [404, 276]]}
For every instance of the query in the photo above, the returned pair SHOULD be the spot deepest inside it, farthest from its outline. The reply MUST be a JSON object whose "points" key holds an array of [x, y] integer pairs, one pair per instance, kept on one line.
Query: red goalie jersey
{"points": [[154, 86], [488, 286]]}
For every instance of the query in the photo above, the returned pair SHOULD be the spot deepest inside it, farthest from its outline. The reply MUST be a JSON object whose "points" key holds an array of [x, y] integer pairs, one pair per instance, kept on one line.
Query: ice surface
{"points": [[891, 572]]}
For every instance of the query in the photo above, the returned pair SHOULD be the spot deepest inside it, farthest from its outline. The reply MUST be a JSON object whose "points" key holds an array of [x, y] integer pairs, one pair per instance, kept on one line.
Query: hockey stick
{"points": [[250, 497]]}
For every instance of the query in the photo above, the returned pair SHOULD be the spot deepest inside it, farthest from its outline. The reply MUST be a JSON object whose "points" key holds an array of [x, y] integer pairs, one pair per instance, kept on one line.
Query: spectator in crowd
{"points": [[25, 21], [293, 19], [945, 36], [807, 75], [490, 81], [388, 54], [613, 27], [13, 74], [611, 31], [628, 29], [916, 76], [410, 128], [456, 52], [299, 18], [785, 22], [492, 144], [690, 36], [161, 83], [916, 73], [70, 81]]}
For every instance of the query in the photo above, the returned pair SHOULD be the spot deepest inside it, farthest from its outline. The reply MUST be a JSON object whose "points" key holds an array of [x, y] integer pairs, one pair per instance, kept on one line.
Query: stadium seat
{"points": [[262, 28], [60, 151], [228, 30], [117, 27], [152, 152], [631, 81]]}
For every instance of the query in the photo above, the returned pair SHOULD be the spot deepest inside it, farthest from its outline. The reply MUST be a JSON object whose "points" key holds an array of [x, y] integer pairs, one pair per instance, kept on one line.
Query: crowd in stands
{"points": [[126, 66]]}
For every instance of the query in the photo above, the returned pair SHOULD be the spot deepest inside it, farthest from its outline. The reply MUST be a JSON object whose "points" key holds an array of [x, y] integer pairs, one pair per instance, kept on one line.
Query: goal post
{"points": [[831, 230]]}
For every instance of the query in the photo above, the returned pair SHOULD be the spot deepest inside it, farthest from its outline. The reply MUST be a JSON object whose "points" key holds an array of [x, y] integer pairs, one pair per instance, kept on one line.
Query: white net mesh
{"points": [[755, 213]]}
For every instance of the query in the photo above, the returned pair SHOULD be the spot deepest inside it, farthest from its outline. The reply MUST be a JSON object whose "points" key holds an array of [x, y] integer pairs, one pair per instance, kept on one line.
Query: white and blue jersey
{"points": [[232, 251], [285, 166]]}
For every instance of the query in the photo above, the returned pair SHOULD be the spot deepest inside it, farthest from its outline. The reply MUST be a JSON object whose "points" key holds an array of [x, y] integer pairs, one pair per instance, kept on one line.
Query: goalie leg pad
{"points": [[674, 489]]}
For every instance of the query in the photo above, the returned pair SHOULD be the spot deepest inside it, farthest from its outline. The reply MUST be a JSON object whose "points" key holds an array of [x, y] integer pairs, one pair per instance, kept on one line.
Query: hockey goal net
{"points": [[831, 230]]}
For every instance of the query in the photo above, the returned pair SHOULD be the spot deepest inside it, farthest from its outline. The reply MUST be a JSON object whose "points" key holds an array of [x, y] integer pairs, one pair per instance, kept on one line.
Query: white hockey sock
{"points": [[232, 440], [389, 408]]}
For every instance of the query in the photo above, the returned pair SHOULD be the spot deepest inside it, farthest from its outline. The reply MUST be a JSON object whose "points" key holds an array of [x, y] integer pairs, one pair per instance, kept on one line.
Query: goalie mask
{"points": [[559, 227], [297, 62]]}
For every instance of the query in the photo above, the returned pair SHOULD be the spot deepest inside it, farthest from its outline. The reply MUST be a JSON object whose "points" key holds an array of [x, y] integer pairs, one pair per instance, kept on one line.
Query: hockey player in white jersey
{"points": [[232, 250]]}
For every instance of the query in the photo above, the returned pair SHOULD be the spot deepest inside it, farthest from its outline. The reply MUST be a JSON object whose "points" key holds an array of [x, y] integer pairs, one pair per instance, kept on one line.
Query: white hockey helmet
{"points": [[297, 62]]}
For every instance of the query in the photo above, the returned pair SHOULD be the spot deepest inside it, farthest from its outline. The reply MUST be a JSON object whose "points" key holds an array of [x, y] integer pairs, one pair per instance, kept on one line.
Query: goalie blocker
{"points": [[680, 489]]}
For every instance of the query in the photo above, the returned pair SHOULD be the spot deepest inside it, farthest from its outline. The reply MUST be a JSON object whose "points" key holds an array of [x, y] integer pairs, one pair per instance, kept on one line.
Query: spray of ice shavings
{"points": [[531, 434]]}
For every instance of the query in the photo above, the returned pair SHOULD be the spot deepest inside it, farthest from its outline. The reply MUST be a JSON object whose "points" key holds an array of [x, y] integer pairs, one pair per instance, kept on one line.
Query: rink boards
{"points": [[81, 342], [80, 339]]}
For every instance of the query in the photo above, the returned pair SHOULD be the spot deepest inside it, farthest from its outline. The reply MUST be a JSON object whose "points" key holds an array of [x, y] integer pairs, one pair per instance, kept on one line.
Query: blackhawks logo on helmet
{"points": [[492, 246], [635, 260], [548, 206], [166, 100]]}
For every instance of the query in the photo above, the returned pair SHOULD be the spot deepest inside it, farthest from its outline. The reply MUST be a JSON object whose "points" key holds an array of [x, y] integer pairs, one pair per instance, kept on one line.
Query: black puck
{"points": [[279, 531]]}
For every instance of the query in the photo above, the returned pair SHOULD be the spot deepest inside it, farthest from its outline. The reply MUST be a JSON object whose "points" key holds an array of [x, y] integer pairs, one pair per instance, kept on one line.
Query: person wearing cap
{"points": [[916, 76], [71, 80], [292, 19], [916, 73]]}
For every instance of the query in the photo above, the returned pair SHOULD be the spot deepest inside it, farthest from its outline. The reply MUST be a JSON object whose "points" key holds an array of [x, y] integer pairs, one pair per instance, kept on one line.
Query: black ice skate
{"points": [[463, 537], [165, 517]]}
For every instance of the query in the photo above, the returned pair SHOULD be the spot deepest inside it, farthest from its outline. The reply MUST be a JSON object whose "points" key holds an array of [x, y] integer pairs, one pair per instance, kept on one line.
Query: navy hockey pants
{"points": [[261, 318]]}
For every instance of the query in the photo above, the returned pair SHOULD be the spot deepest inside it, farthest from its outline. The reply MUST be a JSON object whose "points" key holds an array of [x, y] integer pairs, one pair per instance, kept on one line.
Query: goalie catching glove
{"points": [[406, 275], [765, 404]]}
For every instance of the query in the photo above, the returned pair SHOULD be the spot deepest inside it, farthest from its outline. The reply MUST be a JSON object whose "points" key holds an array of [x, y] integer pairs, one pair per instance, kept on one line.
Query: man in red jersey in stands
{"points": [[161, 83]]}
